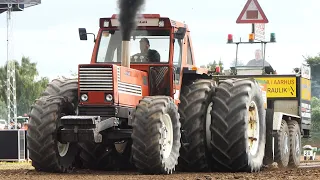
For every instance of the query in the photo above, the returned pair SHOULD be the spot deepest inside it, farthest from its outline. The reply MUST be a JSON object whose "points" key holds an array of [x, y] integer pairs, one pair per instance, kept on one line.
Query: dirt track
{"points": [[25, 171]]}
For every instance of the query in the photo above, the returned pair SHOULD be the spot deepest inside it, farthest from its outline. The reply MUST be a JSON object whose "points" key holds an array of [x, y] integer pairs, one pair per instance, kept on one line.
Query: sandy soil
{"points": [[23, 171]]}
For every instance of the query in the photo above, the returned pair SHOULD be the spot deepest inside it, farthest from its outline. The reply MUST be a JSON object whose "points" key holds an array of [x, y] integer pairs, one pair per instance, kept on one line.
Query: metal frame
{"points": [[29, 3], [263, 48], [11, 80]]}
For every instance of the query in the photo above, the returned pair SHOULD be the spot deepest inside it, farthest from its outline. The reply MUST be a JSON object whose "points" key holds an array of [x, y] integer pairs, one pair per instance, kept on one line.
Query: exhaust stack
{"points": [[125, 54], [127, 18]]}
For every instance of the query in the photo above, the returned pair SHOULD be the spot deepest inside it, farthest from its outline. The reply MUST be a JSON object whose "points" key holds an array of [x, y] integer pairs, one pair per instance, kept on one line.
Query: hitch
{"points": [[84, 128]]}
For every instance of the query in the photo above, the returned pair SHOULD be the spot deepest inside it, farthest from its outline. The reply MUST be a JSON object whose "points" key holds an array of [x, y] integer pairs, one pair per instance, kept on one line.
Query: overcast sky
{"points": [[48, 33]]}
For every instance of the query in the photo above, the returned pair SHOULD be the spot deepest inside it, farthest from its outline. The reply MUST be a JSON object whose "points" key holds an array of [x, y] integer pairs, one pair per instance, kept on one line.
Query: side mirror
{"points": [[296, 70], [83, 34], [180, 33]]}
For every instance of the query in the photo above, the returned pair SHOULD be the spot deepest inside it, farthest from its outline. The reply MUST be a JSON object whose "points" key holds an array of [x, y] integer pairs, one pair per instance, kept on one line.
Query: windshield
{"points": [[22, 119], [254, 65], [157, 41]]}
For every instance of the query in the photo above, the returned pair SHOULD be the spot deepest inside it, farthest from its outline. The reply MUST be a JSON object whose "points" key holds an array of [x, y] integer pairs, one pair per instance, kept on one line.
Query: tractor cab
{"points": [[155, 47]]}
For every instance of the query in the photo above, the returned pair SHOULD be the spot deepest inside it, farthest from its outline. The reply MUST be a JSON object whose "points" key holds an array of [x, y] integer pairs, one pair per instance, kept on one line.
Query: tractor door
{"points": [[179, 37], [177, 59]]}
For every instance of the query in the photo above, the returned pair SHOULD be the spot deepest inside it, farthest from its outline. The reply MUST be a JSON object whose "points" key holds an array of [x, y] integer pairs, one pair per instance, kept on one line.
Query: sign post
{"points": [[259, 31]]}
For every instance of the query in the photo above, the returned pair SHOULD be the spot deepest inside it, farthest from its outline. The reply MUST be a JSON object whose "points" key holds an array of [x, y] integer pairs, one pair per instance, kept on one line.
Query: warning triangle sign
{"points": [[252, 13]]}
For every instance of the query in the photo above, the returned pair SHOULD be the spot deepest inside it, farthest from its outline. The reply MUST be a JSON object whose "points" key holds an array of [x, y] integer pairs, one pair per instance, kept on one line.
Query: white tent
{"points": [[21, 4]]}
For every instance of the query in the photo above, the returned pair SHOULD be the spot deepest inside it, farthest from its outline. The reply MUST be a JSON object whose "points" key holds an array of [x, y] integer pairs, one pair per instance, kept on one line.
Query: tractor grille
{"points": [[129, 88], [95, 79], [159, 80]]}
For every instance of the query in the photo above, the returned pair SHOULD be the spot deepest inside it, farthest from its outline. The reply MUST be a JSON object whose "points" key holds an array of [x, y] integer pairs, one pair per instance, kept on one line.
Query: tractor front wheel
{"points": [[45, 151], [156, 135]]}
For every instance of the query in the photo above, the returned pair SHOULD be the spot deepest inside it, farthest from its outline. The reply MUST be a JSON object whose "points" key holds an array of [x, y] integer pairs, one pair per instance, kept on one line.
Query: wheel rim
{"points": [[253, 128], [285, 144], [297, 145], [63, 149], [167, 135], [208, 123]]}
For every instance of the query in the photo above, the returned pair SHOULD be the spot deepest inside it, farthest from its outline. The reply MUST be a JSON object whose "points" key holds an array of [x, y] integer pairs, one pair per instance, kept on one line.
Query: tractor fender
{"points": [[279, 116]]}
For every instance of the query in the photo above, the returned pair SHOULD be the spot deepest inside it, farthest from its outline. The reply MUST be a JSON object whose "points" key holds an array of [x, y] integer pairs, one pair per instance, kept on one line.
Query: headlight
{"points": [[84, 97], [109, 97], [161, 23], [106, 23]]}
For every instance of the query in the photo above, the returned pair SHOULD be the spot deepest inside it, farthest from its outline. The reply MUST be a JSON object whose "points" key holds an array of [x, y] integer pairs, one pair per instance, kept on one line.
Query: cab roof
{"points": [[143, 20]]}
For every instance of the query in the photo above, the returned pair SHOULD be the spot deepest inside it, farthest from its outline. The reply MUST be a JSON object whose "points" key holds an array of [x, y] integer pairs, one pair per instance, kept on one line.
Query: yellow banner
{"points": [[280, 87], [305, 89]]}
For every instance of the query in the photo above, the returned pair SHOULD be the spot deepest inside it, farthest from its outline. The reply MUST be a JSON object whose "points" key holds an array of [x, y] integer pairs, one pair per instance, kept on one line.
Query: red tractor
{"points": [[152, 109]]}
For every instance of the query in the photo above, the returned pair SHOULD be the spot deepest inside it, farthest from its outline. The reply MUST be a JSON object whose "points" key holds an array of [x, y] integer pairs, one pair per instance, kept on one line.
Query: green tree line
{"points": [[29, 86], [315, 122], [314, 62]]}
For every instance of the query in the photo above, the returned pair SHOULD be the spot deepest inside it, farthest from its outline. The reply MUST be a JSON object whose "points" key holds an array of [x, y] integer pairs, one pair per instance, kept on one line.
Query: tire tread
{"points": [[41, 134], [228, 125], [195, 99], [146, 146]]}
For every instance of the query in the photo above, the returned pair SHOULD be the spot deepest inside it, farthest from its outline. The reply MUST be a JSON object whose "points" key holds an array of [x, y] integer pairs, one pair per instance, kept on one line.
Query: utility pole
{"points": [[11, 75]]}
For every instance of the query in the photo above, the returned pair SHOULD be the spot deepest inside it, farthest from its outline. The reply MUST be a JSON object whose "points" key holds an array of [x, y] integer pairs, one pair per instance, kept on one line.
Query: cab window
{"points": [[177, 57], [109, 50], [189, 54]]}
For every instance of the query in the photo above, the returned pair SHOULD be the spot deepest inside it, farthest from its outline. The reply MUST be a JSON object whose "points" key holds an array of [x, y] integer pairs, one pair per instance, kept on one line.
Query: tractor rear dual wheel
{"points": [[288, 145], [195, 117], [282, 145], [156, 135], [238, 126], [295, 144]]}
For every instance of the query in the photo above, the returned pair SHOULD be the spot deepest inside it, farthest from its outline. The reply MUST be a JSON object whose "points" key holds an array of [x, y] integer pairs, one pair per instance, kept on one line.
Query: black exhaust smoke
{"points": [[127, 16]]}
